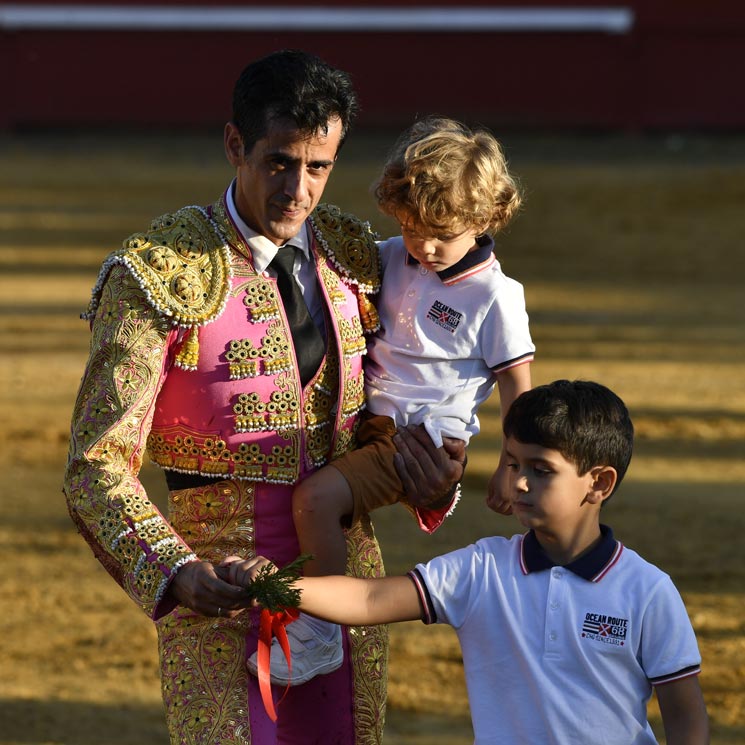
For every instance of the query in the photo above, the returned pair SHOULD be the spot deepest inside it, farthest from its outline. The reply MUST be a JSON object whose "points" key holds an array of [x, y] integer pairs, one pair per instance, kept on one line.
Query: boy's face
{"points": [[548, 495], [439, 252]]}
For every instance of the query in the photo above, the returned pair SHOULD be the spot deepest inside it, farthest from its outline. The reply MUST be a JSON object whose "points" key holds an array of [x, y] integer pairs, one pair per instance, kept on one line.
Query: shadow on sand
{"points": [[30, 722]]}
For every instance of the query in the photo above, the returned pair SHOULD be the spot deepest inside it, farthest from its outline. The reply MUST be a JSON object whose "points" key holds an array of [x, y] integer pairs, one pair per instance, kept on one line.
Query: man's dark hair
{"points": [[291, 85], [586, 422]]}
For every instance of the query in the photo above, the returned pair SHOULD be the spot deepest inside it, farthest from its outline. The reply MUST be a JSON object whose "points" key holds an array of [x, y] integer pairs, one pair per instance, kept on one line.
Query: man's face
{"points": [[281, 180]]}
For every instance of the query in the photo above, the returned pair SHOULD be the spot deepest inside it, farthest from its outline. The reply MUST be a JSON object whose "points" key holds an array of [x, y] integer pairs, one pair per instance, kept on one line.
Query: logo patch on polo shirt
{"points": [[444, 316], [606, 629]]}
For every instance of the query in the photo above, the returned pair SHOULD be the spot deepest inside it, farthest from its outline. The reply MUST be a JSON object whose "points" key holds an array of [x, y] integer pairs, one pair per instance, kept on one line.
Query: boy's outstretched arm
{"points": [[347, 600], [683, 712], [360, 602]]}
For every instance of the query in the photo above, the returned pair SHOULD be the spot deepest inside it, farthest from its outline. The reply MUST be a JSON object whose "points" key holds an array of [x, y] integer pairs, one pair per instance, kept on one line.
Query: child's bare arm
{"points": [[360, 602], [511, 383], [683, 712], [348, 600]]}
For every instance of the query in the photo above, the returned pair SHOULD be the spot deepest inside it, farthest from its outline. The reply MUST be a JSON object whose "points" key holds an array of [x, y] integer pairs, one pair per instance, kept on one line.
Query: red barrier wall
{"points": [[679, 65]]}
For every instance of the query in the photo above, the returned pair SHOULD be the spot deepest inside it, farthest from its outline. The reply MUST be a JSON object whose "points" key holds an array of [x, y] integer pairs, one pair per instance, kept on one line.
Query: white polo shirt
{"points": [[444, 336], [557, 655]]}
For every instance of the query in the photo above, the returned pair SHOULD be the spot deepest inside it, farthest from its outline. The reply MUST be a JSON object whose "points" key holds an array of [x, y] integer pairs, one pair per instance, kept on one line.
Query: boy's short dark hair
{"points": [[585, 421], [292, 85]]}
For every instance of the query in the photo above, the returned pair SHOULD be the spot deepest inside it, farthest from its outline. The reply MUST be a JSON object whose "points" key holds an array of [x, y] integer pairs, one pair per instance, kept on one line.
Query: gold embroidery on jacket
{"points": [[354, 396], [261, 301], [349, 244], [182, 264], [243, 359], [318, 409], [352, 340], [340, 240], [333, 285], [106, 500], [272, 356], [254, 415], [248, 461], [203, 670], [369, 644]]}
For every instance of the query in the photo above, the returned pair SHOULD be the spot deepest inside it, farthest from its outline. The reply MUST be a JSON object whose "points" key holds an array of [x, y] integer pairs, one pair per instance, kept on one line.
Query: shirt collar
{"points": [[262, 249], [593, 566], [474, 261]]}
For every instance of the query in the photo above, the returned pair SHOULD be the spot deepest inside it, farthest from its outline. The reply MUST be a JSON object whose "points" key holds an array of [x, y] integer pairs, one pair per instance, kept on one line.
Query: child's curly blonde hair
{"points": [[447, 178]]}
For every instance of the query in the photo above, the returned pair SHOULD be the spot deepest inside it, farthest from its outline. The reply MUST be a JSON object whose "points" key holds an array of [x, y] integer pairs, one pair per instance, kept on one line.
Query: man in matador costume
{"points": [[196, 359]]}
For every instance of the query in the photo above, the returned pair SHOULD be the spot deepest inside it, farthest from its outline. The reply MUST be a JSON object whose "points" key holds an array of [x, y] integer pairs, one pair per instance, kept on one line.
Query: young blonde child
{"points": [[565, 632], [452, 326]]}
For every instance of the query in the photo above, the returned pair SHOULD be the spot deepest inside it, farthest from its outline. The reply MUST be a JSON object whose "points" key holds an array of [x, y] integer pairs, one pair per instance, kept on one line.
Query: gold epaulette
{"points": [[349, 243], [182, 264]]}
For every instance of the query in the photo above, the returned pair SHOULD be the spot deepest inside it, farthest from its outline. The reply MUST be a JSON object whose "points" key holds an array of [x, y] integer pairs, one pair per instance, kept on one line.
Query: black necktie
{"points": [[309, 345]]}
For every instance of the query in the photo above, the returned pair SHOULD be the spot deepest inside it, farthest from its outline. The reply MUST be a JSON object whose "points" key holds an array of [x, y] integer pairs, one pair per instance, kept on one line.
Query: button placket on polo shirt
{"points": [[553, 642]]}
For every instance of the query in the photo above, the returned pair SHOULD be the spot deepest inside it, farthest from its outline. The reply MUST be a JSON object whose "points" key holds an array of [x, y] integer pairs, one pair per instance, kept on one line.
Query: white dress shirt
{"points": [[263, 252]]}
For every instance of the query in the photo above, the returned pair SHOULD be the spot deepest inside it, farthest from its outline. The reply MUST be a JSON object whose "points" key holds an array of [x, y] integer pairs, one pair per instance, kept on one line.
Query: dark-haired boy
{"points": [[564, 631]]}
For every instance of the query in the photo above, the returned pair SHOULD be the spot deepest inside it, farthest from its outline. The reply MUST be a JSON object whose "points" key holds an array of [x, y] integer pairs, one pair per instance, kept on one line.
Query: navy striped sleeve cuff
{"points": [[521, 360], [425, 601], [686, 672]]}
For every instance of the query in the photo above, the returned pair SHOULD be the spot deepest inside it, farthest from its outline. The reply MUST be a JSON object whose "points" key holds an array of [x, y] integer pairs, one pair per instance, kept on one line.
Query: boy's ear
{"points": [[604, 480]]}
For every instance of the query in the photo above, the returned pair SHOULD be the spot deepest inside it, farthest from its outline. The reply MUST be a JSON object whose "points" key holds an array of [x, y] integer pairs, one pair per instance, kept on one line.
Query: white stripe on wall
{"points": [[611, 20]]}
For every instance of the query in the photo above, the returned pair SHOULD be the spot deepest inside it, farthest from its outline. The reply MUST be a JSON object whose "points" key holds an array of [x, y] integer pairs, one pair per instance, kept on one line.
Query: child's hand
{"points": [[498, 496], [240, 571]]}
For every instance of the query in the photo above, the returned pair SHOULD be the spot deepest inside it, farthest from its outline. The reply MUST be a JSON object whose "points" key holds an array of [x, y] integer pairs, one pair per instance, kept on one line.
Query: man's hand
{"points": [[429, 474], [197, 586]]}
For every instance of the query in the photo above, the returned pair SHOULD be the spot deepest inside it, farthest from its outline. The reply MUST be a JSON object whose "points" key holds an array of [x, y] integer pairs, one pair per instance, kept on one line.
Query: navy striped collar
{"points": [[593, 566], [480, 255]]}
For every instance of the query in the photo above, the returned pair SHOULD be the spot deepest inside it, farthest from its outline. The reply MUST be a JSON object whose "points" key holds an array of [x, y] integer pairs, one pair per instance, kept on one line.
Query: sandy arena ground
{"points": [[631, 252]]}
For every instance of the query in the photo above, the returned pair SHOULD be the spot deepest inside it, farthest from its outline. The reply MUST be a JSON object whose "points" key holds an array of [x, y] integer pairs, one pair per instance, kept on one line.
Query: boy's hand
{"points": [[428, 473], [498, 495], [241, 572]]}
